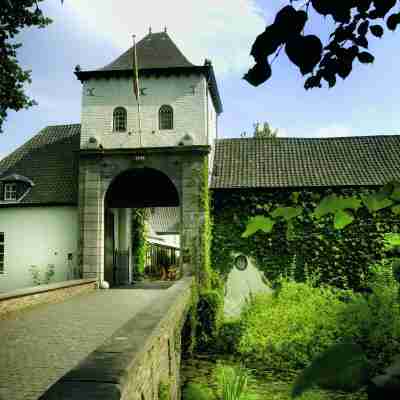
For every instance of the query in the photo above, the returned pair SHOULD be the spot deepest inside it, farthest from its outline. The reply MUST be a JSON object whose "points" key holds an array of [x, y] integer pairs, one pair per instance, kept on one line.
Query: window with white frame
{"points": [[119, 119], [10, 191], [1, 253], [166, 117]]}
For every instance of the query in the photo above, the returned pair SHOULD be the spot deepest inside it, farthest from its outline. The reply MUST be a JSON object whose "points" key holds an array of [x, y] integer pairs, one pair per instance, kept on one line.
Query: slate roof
{"points": [[49, 159], [155, 50], [165, 220], [157, 55], [306, 162]]}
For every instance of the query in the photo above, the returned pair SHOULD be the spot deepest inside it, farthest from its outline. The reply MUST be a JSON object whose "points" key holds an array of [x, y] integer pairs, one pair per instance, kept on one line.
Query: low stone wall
{"points": [[138, 360], [22, 298]]}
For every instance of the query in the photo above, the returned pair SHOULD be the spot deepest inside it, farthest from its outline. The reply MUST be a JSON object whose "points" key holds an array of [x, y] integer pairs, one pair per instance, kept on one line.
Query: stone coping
{"points": [[44, 288], [111, 370]]}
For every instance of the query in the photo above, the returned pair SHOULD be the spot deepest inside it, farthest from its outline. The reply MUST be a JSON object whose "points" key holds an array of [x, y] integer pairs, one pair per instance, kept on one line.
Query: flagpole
{"points": [[136, 88]]}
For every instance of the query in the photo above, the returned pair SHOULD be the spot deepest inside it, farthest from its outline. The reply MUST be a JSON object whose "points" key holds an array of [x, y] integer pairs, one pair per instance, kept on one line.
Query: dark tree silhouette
{"points": [[356, 21], [14, 16]]}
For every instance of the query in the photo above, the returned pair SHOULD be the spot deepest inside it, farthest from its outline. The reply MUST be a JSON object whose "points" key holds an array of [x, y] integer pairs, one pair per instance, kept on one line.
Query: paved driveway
{"points": [[40, 345]]}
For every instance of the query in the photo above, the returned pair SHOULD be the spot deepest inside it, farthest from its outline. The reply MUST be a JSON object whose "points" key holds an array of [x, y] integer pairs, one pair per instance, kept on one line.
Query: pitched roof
{"points": [[165, 220], [156, 54], [50, 160], [156, 50], [300, 162]]}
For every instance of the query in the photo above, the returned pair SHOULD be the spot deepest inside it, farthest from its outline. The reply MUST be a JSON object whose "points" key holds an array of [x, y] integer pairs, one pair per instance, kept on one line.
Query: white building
{"points": [[41, 221]]}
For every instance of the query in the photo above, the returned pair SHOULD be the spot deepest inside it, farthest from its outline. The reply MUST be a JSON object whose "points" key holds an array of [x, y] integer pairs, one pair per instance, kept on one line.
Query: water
{"points": [[267, 384]]}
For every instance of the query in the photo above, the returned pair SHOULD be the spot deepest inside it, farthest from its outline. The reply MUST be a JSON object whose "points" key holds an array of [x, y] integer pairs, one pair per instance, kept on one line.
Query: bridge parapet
{"points": [[140, 356]]}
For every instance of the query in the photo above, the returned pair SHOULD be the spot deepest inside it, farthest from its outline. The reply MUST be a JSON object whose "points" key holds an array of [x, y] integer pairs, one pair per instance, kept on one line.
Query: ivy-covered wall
{"points": [[341, 257], [139, 244]]}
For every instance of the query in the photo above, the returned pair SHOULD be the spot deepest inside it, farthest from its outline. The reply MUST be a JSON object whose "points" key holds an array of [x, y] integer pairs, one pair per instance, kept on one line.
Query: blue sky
{"points": [[222, 30]]}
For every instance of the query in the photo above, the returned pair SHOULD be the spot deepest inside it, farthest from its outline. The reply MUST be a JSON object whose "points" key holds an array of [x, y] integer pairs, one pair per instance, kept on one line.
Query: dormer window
{"points": [[119, 120], [10, 191], [14, 187], [165, 117]]}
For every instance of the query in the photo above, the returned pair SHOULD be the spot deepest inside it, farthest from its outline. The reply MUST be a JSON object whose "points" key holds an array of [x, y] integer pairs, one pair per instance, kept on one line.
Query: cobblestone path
{"points": [[40, 345]]}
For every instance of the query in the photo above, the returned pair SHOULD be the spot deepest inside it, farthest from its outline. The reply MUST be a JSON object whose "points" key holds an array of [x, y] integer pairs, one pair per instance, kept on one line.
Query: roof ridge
{"points": [[309, 138]]}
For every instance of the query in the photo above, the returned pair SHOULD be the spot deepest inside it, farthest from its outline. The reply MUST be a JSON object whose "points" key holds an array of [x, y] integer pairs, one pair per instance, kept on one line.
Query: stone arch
{"points": [[153, 188]]}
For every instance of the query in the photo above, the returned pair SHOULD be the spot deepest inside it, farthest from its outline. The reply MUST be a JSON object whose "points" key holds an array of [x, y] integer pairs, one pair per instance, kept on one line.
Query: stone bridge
{"points": [[74, 342]]}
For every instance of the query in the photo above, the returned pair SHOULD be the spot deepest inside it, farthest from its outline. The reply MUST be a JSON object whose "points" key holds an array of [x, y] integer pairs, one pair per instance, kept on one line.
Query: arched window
{"points": [[119, 120], [165, 117]]}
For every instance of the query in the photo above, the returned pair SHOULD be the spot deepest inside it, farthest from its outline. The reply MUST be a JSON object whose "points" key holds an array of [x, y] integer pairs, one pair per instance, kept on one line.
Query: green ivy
{"points": [[299, 241], [139, 243]]}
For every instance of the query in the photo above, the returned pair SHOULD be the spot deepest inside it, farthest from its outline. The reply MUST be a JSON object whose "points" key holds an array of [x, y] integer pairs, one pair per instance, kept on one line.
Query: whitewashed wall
{"points": [[186, 95], [37, 236]]}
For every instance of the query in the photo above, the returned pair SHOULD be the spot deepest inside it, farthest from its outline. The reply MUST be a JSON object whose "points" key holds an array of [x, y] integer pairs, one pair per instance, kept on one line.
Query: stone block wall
{"points": [[142, 355], [53, 293]]}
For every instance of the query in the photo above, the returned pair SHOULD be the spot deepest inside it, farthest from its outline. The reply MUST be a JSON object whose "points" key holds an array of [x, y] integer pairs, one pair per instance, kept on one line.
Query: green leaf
{"points": [[396, 192], [342, 219], [295, 197], [258, 223], [396, 209], [290, 231], [375, 202], [391, 240], [287, 213], [331, 204], [341, 367]]}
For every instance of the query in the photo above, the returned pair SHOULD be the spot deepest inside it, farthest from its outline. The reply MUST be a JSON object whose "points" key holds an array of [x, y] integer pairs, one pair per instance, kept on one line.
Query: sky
{"points": [[93, 33]]}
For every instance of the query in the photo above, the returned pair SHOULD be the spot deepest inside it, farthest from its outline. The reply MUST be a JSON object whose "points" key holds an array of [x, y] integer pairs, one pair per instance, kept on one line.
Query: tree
{"points": [[15, 15], [356, 21], [264, 131]]}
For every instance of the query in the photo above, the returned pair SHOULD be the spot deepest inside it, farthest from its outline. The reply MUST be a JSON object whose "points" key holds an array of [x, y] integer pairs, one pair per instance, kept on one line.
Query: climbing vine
{"points": [[293, 232], [139, 244]]}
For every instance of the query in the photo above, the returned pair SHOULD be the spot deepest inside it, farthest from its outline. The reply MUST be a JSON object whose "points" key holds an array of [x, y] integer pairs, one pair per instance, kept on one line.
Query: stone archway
{"points": [[101, 170], [137, 188]]}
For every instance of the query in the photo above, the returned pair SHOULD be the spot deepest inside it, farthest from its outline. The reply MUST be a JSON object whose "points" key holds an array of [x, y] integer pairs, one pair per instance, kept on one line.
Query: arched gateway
{"points": [[145, 163]]}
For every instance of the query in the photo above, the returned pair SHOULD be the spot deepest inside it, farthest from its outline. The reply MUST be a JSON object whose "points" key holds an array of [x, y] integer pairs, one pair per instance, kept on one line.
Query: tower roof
{"points": [[156, 54], [155, 50]]}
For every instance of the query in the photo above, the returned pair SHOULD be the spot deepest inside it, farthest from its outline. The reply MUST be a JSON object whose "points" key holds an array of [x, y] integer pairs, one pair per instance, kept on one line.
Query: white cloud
{"points": [[221, 30]]}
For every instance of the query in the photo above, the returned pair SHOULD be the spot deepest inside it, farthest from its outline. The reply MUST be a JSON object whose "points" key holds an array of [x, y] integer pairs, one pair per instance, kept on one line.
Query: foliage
{"points": [[139, 243], [340, 257], [373, 326], [189, 328], [373, 321], [205, 228], [342, 367], [264, 131], [232, 382], [197, 391], [286, 331], [14, 16], [209, 317], [355, 22], [164, 391], [229, 335], [340, 207], [231, 385], [36, 274]]}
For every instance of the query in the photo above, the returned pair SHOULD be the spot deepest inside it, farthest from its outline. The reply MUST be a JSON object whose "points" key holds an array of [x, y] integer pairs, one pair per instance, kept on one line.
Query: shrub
{"points": [[209, 318], [197, 391], [229, 336], [288, 330], [373, 321]]}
